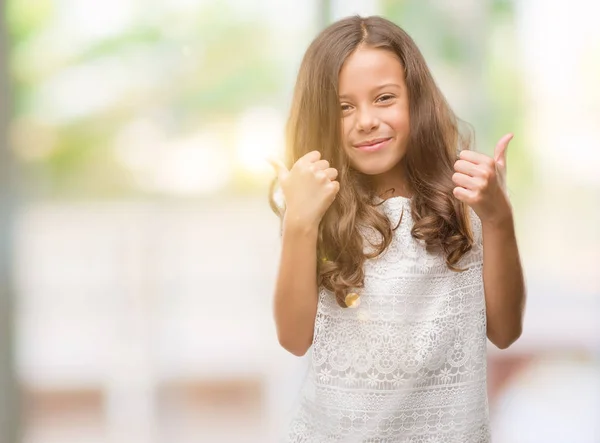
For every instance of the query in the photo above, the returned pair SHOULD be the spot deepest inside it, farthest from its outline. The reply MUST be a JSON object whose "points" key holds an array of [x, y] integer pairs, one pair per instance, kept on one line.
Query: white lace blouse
{"points": [[408, 364]]}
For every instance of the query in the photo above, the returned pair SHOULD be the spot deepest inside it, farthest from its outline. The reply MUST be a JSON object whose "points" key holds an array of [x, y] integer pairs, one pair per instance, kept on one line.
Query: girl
{"points": [[398, 248]]}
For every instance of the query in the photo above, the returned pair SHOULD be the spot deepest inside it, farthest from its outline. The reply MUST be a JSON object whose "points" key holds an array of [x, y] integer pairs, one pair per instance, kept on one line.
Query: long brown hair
{"points": [[440, 220]]}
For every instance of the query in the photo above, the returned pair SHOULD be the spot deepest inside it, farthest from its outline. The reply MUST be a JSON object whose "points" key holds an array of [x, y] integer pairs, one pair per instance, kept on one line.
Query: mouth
{"points": [[373, 145]]}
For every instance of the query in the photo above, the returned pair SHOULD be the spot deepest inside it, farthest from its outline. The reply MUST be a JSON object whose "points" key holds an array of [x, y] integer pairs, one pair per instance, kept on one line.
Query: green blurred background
{"points": [[86, 79]]}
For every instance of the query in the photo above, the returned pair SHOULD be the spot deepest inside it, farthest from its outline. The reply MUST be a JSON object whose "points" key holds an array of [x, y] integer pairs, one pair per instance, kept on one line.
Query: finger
{"points": [[466, 181], [321, 165], [334, 187], [331, 173], [464, 195], [475, 157], [500, 150], [311, 157], [468, 168], [280, 169]]}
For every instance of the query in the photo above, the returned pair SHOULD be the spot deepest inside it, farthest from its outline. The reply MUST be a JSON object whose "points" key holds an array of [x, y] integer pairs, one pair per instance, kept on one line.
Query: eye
{"points": [[385, 98], [345, 107]]}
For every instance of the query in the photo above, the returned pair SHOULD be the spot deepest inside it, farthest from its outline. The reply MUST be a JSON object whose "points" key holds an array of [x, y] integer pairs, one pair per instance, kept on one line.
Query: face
{"points": [[375, 115]]}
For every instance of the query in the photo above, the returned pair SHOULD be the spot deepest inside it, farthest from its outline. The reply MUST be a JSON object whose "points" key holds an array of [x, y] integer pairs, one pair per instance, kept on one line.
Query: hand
{"points": [[481, 182], [309, 188]]}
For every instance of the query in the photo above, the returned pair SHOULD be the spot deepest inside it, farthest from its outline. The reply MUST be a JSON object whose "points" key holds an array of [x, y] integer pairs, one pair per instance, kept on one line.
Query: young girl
{"points": [[398, 248]]}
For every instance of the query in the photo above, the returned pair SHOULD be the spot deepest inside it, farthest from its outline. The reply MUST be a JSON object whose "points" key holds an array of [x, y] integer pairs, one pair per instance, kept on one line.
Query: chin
{"points": [[376, 167], [372, 170]]}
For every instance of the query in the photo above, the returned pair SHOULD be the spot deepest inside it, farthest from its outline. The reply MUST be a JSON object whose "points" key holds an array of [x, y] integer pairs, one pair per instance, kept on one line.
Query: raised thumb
{"points": [[500, 150], [280, 169]]}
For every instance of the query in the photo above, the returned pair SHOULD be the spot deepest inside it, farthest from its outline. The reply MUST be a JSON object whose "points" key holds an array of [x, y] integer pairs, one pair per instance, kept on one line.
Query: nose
{"points": [[366, 121]]}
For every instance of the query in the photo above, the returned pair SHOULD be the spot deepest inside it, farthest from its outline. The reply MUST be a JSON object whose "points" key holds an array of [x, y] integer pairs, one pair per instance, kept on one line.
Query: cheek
{"points": [[346, 129], [398, 119]]}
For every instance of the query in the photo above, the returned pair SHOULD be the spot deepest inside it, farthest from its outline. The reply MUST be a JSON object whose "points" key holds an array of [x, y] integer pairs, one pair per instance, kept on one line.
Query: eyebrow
{"points": [[377, 88]]}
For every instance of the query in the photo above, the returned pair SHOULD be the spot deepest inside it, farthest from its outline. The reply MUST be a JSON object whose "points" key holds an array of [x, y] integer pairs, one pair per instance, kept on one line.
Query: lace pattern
{"points": [[408, 364]]}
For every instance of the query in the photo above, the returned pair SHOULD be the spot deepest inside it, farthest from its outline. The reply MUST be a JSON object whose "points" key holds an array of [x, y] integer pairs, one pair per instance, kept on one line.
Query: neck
{"points": [[391, 183]]}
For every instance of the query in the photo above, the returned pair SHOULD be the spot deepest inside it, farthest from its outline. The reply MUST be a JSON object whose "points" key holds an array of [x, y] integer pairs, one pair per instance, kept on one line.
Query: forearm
{"points": [[504, 283], [295, 301]]}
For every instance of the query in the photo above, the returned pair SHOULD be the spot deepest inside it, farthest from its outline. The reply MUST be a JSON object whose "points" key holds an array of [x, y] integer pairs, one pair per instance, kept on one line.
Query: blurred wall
{"points": [[144, 251]]}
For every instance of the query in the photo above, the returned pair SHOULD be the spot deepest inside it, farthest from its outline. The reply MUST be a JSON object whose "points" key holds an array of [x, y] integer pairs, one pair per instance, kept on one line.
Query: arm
{"points": [[309, 189], [481, 183], [296, 292], [504, 283]]}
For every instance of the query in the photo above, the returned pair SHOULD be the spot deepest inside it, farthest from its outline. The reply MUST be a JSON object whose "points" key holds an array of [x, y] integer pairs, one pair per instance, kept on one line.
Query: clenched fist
{"points": [[481, 182], [309, 188]]}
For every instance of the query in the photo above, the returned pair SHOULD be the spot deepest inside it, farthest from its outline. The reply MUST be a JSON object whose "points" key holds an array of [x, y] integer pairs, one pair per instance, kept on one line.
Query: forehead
{"points": [[367, 68]]}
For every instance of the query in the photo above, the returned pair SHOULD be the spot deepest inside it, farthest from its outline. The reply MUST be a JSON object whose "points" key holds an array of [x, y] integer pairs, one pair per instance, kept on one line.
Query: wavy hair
{"points": [[440, 221]]}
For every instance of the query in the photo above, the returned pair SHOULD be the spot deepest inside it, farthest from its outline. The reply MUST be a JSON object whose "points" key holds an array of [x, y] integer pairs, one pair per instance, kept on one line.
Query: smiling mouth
{"points": [[373, 145]]}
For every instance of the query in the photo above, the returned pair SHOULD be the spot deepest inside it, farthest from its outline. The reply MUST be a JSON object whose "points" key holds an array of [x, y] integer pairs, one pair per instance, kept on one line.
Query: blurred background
{"points": [[137, 249]]}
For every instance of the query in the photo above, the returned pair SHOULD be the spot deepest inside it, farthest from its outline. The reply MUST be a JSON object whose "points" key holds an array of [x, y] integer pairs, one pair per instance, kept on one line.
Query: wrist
{"points": [[500, 223], [500, 217], [299, 226]]}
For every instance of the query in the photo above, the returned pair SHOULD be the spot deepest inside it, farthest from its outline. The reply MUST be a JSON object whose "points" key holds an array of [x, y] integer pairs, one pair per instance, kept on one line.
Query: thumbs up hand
{"points": [[481, 182], [309, 188]]}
